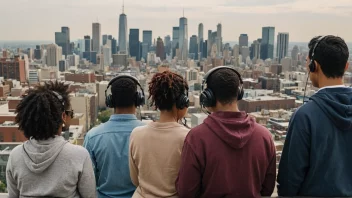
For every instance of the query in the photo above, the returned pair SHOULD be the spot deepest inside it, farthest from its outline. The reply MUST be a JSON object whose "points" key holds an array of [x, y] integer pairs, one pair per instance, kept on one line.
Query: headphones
{"points": [[312, 66], [182, 101], [61, 99], [207, 97], [139, 96]]}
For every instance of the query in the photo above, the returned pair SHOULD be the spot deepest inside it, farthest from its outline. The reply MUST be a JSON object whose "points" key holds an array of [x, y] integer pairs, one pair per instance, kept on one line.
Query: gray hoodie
{"points": [[50, 168]]}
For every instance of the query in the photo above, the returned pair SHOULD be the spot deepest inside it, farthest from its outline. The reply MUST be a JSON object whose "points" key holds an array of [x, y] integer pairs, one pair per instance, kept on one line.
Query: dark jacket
{"points": [[229, 155], [317, 156]]}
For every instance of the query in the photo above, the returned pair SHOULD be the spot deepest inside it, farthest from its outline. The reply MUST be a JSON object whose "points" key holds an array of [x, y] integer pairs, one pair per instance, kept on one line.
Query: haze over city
{"points": [[303, 19]]}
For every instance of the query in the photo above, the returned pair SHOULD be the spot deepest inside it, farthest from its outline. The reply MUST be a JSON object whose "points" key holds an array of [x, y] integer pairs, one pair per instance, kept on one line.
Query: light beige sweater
{"points": [[154, 158]]}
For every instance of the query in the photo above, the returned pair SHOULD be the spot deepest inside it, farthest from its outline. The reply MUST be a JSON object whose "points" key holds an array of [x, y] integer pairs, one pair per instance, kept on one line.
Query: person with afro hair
{"points": [[47, 165]]}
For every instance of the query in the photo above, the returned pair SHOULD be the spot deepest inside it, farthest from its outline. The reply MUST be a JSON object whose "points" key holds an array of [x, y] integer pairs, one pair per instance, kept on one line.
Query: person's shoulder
{"points": [[96, 130], [76, 151], [17, 152], [263, 131], [197, 132]]}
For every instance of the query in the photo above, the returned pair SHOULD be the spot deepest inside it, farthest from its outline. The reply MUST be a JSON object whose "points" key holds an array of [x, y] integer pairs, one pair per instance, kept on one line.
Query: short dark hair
{"points": [[123, 92], [224, 83], [332, 55], [39, 114], [165, 88]]}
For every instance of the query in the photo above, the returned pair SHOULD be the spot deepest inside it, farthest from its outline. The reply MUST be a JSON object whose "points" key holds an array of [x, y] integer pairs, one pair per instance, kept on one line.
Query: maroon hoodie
{"points": [[229, 155]]}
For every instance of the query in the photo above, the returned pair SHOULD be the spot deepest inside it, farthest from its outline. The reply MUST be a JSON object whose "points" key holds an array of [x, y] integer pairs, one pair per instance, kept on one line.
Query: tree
{"points": [[104, 116]]}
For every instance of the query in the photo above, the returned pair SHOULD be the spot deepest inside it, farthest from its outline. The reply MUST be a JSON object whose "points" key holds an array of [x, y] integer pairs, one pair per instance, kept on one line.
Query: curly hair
{"points": [[39, 114], [165, 88], [224, 83]]}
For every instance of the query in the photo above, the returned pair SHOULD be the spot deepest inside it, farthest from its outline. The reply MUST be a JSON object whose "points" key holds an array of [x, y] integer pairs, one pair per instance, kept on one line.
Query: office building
{"points": [[294, 53], [245, 53], [200, 40], [219, 39], [119, 60], [106, 55], [62, 39], [134, 44], [96, 38], [105, 39], [148, 37], [37, 53], [62, 65], [167, 42], [87, 44], [73, 60], [113, 46], [53, 55], [282, 45], [255, 50], [183, 38], [175, 40], [209, 43], [160, 49], [122, 41], [13, 68], [267, 43], [193, 47], [243, 40]]}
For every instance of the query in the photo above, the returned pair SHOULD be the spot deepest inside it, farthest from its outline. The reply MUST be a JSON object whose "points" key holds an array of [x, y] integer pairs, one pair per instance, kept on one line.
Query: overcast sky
{"points": [[303, 19]]}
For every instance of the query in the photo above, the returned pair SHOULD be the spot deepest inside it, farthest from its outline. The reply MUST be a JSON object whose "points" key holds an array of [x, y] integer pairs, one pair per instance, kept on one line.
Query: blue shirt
{"points": [[108, 146]]}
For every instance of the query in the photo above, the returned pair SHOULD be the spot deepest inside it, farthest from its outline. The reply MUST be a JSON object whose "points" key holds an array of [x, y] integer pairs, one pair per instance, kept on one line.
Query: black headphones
{"points": [[207, 97], [312, 66], [182, 101], [139, 98]]}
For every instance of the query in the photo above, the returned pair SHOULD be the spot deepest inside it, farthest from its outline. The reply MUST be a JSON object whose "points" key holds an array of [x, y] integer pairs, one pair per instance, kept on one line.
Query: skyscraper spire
{"points": [[183, 12], [123, 6]]}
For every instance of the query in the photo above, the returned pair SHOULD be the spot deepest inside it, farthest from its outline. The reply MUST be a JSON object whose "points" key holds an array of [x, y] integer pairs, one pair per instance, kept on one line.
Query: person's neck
{"points": [[331, 82], [227, 108], [126, 110], [167, 116]]}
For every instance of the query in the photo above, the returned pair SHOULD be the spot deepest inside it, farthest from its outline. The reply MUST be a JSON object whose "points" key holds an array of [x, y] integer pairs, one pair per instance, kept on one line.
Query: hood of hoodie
{"points": [[40, 154], [336, 103], [233, 128]]}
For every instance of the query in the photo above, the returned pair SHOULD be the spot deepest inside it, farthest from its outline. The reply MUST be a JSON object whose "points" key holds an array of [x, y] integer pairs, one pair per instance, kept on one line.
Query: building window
{"points": [[13, 137]]}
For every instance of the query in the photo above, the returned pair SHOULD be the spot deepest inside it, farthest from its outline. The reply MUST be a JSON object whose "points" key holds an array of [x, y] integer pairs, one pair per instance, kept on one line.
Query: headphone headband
{"points": [[60, 98], [316, 45], [208, 74], [312, 66]]}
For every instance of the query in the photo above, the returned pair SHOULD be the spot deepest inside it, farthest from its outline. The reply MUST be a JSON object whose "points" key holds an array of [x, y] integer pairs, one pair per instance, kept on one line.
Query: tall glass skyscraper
{"points": [[267, 44], [175, 40], [62, 39], [193, 47], [123, 32], [148, 37], [135, 44], [200, 40], [183, 38], [96, 38], [282, 45]]}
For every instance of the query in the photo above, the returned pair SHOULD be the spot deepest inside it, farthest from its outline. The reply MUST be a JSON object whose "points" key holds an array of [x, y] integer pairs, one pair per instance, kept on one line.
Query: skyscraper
{"points": [[167, 43], [37, 53], [282, 45], [267, 44], [183, 38], [105, 39], [200, 40], [62, 39], [87, 44], [53, 55], [134, 44], [255, 50], [106, 55], [219, 38], [175, 40], [123, 32], [96, 38], [193, 47], [148, 37], [160, 49], [209, 43], [294, 53], [113, 46], [243, 40]]}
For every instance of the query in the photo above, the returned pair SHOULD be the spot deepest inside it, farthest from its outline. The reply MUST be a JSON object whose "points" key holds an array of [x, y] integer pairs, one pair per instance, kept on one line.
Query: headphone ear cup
{"points": [[207, 98], [182, 102], [139, 100], [312, 66], [240, 94], [109, 101]]}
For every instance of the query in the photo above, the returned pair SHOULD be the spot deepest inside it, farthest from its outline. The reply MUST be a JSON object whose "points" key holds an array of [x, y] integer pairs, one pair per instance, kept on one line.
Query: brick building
{"points": [[266, 102], [4, 90], [13, 68], [9, 133], [88, 77]]}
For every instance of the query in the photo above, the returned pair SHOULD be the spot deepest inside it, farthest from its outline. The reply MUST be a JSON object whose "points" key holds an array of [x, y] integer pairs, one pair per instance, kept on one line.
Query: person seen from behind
{"points": [[229, 155], [155, 149], [108, 143], [317, 158], [47, 165]]}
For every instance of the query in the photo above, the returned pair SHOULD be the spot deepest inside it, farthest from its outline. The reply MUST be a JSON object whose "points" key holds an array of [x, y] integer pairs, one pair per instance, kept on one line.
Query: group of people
{"points": [[228, 155]]}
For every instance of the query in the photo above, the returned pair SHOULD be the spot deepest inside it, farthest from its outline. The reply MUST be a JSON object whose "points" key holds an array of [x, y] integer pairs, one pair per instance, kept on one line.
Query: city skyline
{"points": [[160, 17]]}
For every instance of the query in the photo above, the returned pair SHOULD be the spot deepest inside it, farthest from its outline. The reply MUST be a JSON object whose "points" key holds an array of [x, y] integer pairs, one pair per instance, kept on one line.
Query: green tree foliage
{"points": [[104, 116]]}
